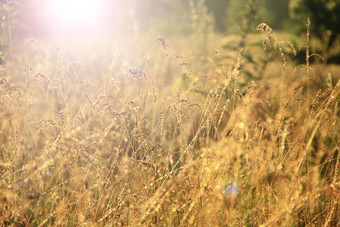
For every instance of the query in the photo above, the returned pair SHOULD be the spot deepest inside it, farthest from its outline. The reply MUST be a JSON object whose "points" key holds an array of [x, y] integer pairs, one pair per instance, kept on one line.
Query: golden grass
{"points": [[167, 139]]}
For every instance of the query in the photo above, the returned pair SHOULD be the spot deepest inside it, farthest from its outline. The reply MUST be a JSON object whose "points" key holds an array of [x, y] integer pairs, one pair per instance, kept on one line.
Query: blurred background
{"points": [[46, 19]]}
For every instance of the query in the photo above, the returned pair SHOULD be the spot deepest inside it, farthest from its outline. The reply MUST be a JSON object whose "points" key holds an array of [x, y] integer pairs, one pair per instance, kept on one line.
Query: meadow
{"points": [[185, 130]]}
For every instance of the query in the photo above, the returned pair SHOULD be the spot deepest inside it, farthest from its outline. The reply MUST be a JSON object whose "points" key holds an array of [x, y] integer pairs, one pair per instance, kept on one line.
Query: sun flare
{"points": [[76, 13]]}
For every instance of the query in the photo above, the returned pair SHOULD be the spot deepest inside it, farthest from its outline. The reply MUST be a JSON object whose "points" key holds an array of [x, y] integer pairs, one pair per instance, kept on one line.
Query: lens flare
{"points": [[230, 188]]}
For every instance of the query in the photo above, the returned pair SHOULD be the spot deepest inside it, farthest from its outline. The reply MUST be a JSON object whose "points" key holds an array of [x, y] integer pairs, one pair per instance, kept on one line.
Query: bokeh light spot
{"points": [[231, 188]]}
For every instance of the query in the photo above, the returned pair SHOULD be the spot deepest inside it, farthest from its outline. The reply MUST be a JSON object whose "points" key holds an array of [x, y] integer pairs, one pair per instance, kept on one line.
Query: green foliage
{"points": [[238, 11], [168, 17], [277, 13], [252, 67], [229, 14], [235, 14], [218, 9], [324, 15]]}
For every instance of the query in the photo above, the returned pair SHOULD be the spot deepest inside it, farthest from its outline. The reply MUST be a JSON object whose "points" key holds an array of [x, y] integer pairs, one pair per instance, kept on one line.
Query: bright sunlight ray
{"points": [[76, 13]]}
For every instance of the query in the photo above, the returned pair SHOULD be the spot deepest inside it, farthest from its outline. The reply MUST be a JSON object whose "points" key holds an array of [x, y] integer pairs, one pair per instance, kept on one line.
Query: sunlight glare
{"points": [[76, 13]]}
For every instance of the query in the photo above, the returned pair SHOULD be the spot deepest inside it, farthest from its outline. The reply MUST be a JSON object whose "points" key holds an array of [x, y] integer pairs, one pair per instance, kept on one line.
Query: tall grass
{"points": [[167, 139]]}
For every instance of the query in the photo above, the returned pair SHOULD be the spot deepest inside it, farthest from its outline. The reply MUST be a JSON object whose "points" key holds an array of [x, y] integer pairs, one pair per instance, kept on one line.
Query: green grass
{"points": [[163, 133]]}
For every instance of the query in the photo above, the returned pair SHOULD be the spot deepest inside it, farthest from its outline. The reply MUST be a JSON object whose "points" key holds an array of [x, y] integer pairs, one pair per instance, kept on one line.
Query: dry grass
{"points": [[167, 140]]}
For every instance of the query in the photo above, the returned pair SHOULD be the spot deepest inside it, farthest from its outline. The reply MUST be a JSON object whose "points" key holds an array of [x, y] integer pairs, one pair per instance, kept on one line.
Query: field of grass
{"points": [[152, 131]]}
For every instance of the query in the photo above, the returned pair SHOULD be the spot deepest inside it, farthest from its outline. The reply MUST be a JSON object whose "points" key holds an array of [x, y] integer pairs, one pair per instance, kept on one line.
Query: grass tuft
{"points": [[168, 139]]}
